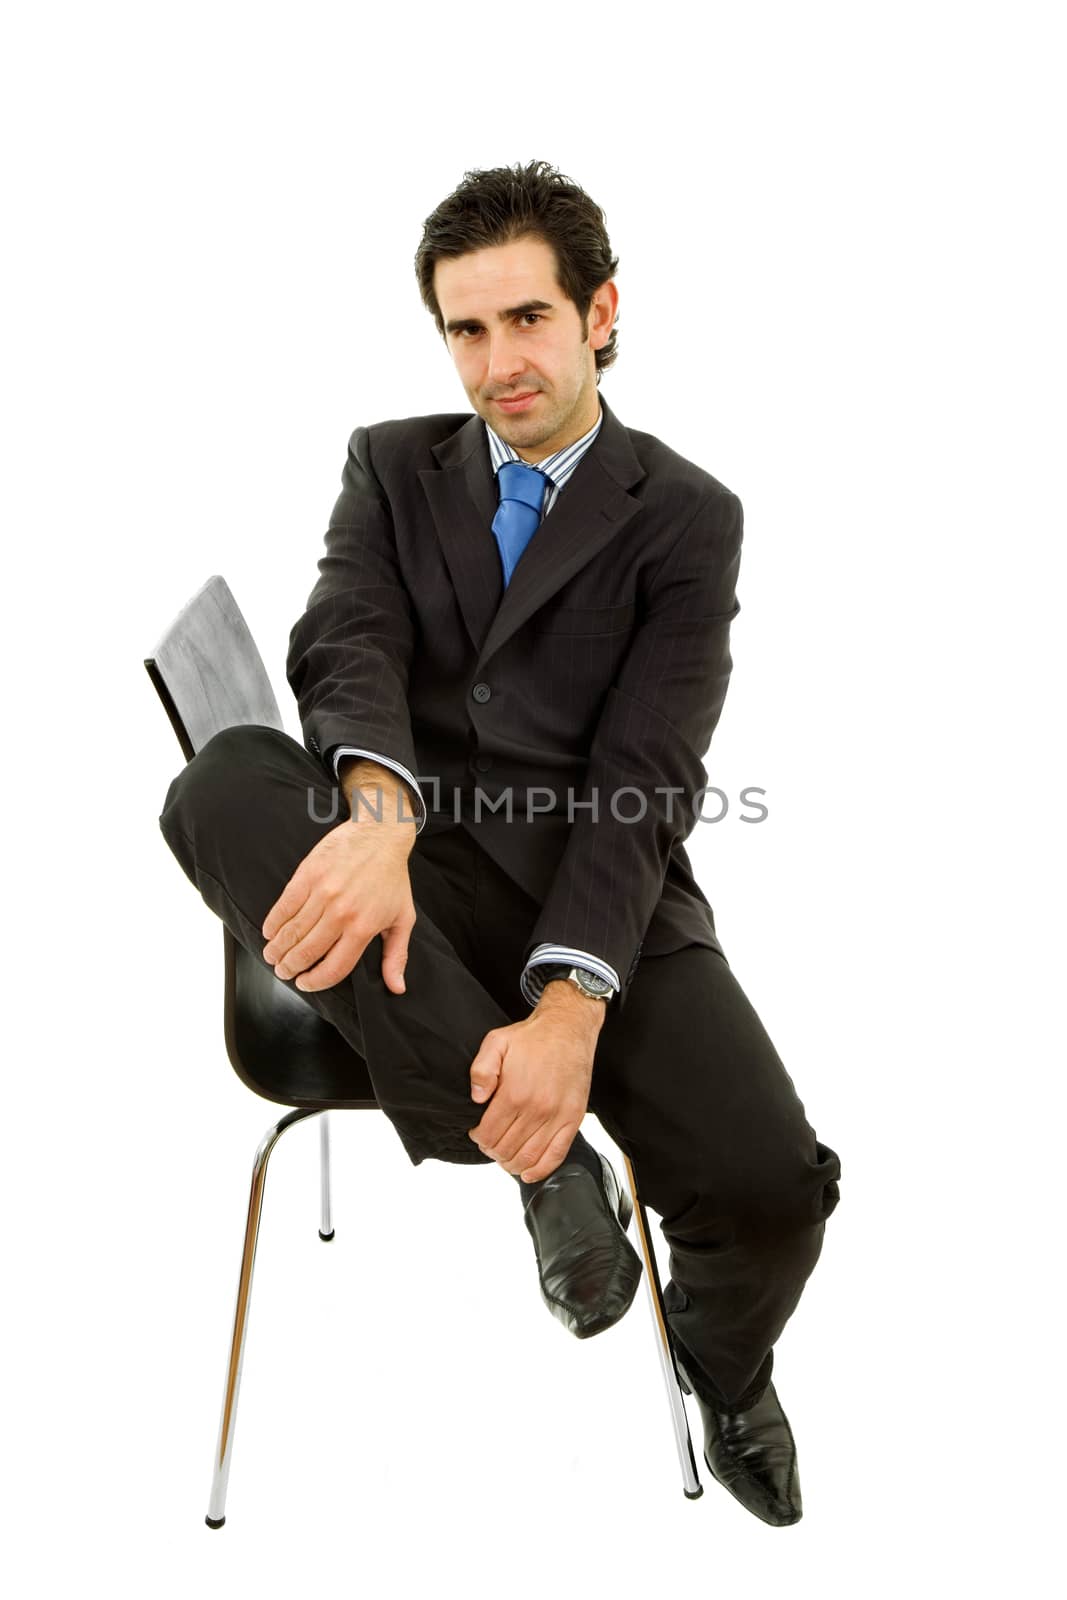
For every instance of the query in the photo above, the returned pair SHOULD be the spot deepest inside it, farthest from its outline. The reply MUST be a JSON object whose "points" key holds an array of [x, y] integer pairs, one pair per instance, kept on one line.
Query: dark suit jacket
{"points": [[601, 667]]}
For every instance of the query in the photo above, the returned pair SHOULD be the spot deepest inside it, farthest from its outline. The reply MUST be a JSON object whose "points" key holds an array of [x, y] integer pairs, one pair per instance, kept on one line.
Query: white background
{"points": [[841, 293]]}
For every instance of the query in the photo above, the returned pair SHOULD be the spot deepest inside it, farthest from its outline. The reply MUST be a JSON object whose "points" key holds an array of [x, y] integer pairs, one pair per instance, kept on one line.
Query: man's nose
{"points": [[506, 360]]}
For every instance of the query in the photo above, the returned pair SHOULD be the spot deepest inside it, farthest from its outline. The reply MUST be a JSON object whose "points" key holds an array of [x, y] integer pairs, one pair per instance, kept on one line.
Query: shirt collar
{"points": [[558, 466]]}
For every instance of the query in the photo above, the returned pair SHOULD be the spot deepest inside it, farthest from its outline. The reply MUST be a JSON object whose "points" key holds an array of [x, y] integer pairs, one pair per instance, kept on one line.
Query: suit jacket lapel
{"points": [[462, 497], [589, 512]]}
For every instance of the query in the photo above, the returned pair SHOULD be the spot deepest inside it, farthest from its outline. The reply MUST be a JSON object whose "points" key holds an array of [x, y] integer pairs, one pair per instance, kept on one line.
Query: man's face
{"points": [[513, 332]]}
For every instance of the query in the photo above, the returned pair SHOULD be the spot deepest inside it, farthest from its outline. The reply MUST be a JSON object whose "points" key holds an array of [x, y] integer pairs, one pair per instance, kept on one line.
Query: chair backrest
{"points": [[208, 672], [209, 675]]}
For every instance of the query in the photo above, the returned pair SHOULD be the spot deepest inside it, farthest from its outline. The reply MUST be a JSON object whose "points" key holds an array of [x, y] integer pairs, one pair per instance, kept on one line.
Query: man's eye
{"points": [[472, 328]]}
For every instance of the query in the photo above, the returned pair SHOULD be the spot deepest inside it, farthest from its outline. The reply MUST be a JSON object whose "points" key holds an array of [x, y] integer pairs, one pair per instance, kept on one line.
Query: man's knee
{"points": [[765, 1195], [212, 792], [792, 1190], [220, 774]]}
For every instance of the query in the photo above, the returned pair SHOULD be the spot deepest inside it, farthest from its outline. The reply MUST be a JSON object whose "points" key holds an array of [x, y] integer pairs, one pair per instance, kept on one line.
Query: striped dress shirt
{"points": [[558, 469]]}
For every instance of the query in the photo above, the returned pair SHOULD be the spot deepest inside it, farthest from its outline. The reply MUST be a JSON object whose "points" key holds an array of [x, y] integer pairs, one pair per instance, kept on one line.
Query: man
{"points": [[513, 661]]}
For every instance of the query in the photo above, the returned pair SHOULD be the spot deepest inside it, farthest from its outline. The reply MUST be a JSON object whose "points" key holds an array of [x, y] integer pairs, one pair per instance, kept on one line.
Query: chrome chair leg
{"points": [[691, 1484], [326, 1231], [216, 1515]]}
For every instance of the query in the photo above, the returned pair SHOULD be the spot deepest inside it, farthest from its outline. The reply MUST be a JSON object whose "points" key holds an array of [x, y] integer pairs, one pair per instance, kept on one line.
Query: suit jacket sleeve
{"points": [[350, 653], [656, 724]]}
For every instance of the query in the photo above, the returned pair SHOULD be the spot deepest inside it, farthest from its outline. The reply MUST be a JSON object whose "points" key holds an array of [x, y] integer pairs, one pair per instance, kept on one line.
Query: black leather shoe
{"points": [[752, 1453], [588, 1268]]}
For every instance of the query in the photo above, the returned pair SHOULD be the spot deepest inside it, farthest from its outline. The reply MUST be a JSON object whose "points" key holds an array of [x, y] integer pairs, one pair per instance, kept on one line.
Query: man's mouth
{"points": [[517, 402]]}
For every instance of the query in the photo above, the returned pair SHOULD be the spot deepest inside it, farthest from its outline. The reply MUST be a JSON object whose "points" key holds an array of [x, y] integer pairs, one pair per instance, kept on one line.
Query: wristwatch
{"points": [[590, 984]]}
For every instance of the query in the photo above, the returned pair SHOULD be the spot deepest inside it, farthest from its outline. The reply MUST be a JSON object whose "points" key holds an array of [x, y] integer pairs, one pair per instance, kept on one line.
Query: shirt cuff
{"points": [[532, 983], [394, 766]]}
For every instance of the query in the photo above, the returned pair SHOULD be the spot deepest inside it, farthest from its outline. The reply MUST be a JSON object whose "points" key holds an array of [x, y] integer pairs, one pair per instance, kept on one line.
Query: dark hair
{"points": [[494, 207]]}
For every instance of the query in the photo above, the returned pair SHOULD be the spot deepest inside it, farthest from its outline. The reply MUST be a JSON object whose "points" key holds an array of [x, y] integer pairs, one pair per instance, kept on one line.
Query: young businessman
{"points": [[512, 663]]}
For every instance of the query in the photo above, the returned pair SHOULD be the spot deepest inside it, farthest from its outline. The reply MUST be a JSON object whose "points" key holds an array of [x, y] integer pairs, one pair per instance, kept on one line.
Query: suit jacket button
{"points": [[483, 763], [481, 692]]}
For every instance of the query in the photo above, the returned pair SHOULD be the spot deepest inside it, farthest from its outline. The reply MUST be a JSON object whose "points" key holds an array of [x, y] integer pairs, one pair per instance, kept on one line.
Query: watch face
{"points": [[592, 984]]}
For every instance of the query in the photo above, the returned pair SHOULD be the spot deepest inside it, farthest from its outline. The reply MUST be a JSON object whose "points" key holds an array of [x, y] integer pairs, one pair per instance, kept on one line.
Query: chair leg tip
{"points": [[693, 1494], [215, 1522], [326, 1237]]}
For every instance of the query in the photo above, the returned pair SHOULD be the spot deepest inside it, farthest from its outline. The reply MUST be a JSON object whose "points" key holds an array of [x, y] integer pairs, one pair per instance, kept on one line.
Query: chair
{"points": [[209, 675]]}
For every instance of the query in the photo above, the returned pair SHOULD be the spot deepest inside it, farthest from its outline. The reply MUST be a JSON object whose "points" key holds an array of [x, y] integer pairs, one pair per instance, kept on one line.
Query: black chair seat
{"points": [[297, 1058]]}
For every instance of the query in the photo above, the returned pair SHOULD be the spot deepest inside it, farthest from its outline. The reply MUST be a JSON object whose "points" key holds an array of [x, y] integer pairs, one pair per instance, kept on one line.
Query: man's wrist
{"points": [[560, 994], [376, 795]]}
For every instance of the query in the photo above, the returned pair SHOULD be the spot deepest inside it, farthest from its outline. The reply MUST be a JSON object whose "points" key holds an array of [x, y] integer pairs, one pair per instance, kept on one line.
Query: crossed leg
{"points": [[685, 1080]]}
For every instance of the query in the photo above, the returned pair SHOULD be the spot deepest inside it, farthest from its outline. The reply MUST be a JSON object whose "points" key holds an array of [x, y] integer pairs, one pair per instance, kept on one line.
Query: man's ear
{"points": [[602, 312]]}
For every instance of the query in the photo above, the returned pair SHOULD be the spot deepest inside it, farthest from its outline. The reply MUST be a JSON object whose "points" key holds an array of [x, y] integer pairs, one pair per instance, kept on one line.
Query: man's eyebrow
{"points": [[502, 316]]}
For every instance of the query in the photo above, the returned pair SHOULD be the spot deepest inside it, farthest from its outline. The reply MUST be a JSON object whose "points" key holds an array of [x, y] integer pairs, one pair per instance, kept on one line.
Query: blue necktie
{"points": [[522, 493]]}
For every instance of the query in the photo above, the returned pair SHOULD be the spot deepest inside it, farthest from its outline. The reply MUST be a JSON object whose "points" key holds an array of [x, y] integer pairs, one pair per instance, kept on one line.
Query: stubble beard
{"points": [[530, 433]]}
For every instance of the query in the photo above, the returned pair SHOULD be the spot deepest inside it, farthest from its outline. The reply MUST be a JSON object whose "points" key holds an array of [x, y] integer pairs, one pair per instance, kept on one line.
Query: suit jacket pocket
{"points": [[584, 619]]}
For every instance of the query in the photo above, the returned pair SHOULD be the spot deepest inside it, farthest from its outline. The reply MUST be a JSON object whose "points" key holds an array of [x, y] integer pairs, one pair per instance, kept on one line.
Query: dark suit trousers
{"points": [[685, 1079]]}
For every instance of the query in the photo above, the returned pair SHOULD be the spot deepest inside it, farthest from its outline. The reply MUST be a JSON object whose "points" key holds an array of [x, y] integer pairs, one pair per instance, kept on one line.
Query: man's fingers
{"points": [[301, 943], [523, 1143], [503, 1128], [321, 936], [395, 942], [552, 1155], [299, 927], [485, 1068], [336, 964], [288, 903]]}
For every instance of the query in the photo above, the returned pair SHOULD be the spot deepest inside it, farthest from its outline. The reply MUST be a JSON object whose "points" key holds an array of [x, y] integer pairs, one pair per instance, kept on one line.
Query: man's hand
{"points": [[538, 1073], [352, 886]]}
